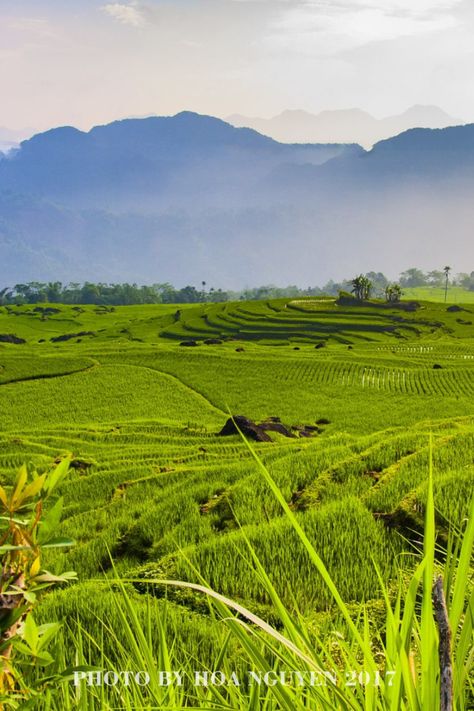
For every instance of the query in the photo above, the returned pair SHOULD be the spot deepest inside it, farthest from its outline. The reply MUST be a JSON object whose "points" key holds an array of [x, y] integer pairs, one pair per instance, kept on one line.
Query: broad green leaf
{"points": [[35, 567], [47, 577], [3, 497], [30, 633], [17, 494], [34, 488], [54, 478], [50, 520], [59, 543], [46, 632]]}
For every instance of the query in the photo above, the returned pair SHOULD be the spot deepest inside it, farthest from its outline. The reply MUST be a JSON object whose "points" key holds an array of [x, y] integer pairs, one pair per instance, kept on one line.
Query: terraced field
{"points": [[303, 320], [152, 483]]}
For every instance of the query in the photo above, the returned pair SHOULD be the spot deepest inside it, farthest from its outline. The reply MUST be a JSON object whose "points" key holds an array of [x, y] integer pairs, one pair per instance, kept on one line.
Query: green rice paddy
{"points": [[156, 488]]}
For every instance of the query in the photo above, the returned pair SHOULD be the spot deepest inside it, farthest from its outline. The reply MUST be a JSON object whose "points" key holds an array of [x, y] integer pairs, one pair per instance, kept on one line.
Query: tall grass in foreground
{"points": [[395, 668]]}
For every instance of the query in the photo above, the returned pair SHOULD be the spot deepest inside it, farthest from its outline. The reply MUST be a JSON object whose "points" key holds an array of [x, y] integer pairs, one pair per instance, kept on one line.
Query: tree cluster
{"points": [[108, 294], [127, 294], [411, 278], [364, 286]]}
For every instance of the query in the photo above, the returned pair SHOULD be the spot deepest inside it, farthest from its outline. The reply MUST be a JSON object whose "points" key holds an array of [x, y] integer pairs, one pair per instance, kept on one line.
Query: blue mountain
{"points": [[190, 197]]}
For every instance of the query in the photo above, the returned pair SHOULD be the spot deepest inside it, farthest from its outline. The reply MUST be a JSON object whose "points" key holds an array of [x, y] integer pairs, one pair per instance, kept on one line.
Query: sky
{"points": [[88, 62]]}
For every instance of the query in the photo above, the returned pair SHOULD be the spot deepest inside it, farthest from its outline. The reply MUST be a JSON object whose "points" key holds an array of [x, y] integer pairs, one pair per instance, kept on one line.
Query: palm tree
{"points": [[4, 294], [367, 288], [397, 292], [393, 293], [357, 286], [361, 287], [446, 271]]}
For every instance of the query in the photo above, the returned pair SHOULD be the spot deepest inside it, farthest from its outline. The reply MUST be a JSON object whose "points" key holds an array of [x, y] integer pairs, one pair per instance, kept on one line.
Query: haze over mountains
{"points": [[190, 198], [10, 138], [345, 125]]}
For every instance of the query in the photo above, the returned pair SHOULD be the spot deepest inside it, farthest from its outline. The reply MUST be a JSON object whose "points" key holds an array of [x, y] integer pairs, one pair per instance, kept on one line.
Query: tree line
{"points": [[437, 278], [371, 284], [127, 294], [363, 286]]}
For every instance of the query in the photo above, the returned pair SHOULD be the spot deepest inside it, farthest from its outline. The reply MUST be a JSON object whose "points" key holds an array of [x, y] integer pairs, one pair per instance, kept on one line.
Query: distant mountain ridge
{"points": [[344, 125], [190, 198], [126, 162]]}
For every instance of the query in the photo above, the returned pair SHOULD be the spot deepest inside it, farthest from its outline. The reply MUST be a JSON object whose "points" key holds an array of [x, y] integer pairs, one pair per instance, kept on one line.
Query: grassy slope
{"points": [[142, 412], [456, 294]]}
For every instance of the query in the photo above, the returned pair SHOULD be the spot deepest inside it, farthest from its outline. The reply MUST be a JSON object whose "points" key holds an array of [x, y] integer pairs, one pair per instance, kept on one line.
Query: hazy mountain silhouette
{"points": [[190, 197], [418, 157], [142, 162], [345, 125]]}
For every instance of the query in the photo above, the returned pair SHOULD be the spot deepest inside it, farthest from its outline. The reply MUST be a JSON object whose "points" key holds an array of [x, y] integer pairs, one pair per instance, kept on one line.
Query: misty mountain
{"points": [[148, 163], [190, 197], [418, 158], [345, 125]]}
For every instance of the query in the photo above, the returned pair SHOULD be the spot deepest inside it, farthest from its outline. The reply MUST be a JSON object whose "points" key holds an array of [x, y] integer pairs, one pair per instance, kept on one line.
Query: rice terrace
{"points": [[358, 403]]}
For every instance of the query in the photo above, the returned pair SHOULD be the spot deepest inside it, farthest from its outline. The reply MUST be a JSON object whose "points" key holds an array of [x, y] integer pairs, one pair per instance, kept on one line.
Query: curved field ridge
{"points": [[15, 369], [103, 394]]}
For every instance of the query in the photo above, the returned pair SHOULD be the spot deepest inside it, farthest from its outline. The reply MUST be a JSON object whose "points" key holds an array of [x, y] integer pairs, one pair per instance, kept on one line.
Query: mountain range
{"points": [[345, 125], [190, 198]]}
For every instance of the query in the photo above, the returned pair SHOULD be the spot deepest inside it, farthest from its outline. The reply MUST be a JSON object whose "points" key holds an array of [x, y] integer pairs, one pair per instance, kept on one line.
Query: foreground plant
{"points": [[356, 665], [25, 531], [398, 667], [394, 666]]}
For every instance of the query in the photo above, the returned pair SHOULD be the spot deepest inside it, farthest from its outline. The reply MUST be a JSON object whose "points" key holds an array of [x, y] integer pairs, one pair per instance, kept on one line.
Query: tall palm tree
{"points": [[367, 287], [357, 286], [446, 271], [361, 287], [4, 294], [393, 293]]}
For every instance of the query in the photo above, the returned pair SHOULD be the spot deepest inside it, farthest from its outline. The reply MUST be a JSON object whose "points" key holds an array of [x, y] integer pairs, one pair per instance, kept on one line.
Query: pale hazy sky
{"points": [[86, 62]]}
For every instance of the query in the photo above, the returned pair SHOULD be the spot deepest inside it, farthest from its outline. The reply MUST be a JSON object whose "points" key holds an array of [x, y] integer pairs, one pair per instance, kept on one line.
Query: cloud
{"points": [[421, 7], [323, 27], [126, 13], [21, 31], [389, 6], [31, 25]]}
